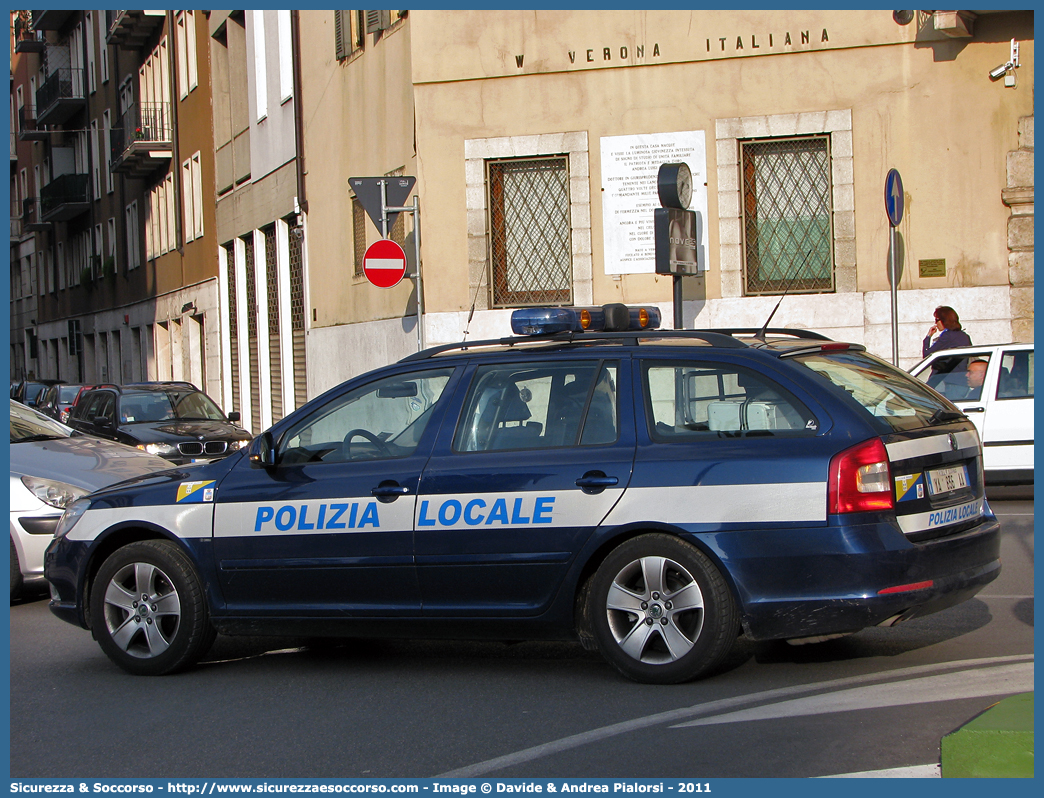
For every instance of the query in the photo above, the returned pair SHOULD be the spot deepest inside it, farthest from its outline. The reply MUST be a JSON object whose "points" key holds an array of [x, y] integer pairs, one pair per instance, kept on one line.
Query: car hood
{"points": [[88, 463], [189, 429]]}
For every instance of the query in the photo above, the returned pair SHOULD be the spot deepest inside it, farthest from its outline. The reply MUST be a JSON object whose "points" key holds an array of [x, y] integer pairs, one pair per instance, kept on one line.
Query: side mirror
{"points": [[234, 416], [262, 452], [101, 422]]}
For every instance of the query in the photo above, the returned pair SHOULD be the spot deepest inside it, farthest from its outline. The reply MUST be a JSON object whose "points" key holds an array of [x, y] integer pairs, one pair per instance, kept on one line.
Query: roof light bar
{"points": [[607, 318]]}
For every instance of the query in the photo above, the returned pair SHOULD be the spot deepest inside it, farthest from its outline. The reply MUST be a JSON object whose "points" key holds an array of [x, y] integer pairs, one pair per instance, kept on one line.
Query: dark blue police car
{"points": [[654, 494]]}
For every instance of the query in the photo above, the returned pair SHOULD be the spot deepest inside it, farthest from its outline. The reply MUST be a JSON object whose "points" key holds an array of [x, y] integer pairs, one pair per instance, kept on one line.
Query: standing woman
{"points": [[946, 333]]}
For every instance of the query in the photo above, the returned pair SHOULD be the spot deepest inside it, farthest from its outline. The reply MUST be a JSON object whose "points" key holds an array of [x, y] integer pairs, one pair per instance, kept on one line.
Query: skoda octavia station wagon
{"points": [[652, 494]]}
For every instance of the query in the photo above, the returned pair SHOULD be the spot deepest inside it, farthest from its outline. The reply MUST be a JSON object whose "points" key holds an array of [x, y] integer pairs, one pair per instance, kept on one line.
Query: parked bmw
{"points": [[49, 468], [169, 419], [652, 494]]}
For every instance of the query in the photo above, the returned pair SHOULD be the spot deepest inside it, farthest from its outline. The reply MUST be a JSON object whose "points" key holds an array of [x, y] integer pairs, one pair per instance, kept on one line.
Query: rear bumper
{"points": [[844, 590]]}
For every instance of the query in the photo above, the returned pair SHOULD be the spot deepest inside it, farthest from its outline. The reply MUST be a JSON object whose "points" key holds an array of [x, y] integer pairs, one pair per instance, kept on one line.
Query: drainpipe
{"points": [[295, 39]]}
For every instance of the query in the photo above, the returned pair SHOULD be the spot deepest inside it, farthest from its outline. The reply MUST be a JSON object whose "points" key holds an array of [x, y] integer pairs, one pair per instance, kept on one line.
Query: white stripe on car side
{"points": [[190, 521], [723, 504]]}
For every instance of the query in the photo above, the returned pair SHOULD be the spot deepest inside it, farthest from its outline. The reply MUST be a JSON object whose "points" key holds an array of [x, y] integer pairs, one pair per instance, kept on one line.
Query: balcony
{"points": [[65, 197], [28, 128], [16, 229], [52, 19], [132, 30], [26, 38], [143, 141], [61, 96], [31, 219]]}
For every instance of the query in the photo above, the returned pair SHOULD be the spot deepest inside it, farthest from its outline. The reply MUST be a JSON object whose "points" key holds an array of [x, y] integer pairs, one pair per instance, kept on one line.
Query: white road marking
{"points": [[978, 683], [913, 772], [680, 715]]}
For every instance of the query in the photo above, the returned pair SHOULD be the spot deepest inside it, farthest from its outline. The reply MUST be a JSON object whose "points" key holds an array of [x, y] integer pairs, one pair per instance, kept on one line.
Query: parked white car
{"points": [[993, 386], [50, 466]]}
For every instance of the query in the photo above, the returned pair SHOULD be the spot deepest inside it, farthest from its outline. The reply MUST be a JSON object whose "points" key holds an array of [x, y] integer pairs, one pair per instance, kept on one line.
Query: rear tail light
{"points": [[860, 479]]}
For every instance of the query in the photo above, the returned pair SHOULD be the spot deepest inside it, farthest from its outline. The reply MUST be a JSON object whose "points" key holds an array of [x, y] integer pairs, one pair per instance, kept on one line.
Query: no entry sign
{"points": [[384, 263]]}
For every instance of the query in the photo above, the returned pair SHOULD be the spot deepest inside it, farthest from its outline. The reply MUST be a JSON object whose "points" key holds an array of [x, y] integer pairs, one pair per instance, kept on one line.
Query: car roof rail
{"points": [[715, 337], [793, 333]]}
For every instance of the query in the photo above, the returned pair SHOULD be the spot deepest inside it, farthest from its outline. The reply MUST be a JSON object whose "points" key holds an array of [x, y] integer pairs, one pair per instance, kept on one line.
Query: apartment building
{"points": [[113, 225]]}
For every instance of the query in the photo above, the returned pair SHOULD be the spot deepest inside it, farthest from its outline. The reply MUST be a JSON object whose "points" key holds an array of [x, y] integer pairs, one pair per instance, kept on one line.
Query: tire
{"points": [[660, 611], [16, 572], [165, 634]]}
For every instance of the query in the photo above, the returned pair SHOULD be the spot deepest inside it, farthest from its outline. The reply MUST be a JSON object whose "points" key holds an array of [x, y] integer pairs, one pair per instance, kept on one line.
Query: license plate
{"points": [[946, 480]]}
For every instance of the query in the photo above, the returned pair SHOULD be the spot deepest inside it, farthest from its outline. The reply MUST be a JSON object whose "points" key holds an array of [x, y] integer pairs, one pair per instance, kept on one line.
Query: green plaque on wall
{"points": [[936, 267]]}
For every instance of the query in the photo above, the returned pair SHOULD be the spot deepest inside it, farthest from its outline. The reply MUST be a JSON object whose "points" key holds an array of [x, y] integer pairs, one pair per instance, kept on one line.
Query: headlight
{"points": [[71, 516], [50, 491], [235, 446], [158, 448]]}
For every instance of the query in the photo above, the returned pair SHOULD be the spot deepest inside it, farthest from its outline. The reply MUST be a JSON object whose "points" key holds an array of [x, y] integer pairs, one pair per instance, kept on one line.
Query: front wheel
{"points": [[148, 609], [661, 612]]}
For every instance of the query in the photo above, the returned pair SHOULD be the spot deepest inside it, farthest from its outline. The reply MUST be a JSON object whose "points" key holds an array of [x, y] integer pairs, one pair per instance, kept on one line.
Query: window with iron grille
{"points": [[250, 275], [530, 235], [787, 215], [359, 234]]}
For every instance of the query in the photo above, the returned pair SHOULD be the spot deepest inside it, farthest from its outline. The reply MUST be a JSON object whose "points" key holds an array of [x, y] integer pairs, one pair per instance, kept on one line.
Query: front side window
{"points": [[688, 401], [539, 406], [377, 421], [787, 215], [530, 234], [958, 377]]}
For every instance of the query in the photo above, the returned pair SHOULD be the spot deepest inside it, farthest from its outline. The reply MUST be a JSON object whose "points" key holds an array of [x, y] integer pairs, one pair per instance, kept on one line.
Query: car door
{"points": [[1007, 421], [541, 451], [724, 446], [327, 527]]}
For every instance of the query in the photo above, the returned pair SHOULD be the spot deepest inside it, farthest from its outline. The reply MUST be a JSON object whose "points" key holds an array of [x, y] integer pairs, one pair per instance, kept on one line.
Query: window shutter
{"points": [[377, 21], [339, 30]]}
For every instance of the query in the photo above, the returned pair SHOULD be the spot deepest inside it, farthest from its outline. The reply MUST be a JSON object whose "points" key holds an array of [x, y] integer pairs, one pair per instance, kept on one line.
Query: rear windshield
{"points": [[896, 400]]}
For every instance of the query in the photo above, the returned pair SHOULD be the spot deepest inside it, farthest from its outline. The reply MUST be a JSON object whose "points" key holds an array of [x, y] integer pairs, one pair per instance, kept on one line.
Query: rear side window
{"points": [[1016, 375], [894, 398], [958, 377], [719, 400], [539, 405]]}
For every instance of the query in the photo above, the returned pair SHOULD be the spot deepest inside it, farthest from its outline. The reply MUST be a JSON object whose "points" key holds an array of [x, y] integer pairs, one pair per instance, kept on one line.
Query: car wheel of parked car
{"points": [[661, 611], [16, 571], [148, 609]]}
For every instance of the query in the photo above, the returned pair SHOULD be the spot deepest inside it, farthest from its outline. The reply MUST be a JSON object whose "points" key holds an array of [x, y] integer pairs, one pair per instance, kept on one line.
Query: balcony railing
{"points": [[32, 219], [26, 38], [28, 128], [143, 140], [65, 197], [61, 96]]}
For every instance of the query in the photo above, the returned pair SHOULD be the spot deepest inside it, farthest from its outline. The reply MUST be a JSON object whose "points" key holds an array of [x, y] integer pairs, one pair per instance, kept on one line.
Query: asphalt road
{"points": [[881, 699]]}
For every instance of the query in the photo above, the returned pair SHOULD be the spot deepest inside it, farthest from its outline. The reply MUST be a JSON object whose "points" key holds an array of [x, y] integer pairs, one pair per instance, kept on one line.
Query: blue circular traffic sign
{"points": [[894, 197]]}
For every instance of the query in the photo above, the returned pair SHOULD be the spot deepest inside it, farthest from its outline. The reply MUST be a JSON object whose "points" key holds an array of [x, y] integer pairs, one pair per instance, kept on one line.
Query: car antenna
{"points": [[471, 313], [761, 333]]}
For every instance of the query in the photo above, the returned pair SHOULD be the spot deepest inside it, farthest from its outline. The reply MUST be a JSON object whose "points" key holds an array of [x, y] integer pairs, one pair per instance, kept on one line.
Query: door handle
{"points": [[596, 482], [975, 410], [389, 491]]}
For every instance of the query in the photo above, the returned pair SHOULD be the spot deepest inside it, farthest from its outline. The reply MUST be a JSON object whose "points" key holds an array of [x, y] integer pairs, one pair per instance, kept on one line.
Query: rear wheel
{"points": [[661, 612], [148, 609]]}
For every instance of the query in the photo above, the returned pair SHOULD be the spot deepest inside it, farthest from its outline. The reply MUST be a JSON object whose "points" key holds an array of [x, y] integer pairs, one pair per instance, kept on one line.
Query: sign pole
{"points": [[894, 204], [416, 276]]}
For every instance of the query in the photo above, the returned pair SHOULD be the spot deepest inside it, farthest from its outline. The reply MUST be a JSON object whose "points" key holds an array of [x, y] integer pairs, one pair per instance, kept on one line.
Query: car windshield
{"points": [[27, 425], [894, 398], [66, 393], [149, 406]]}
